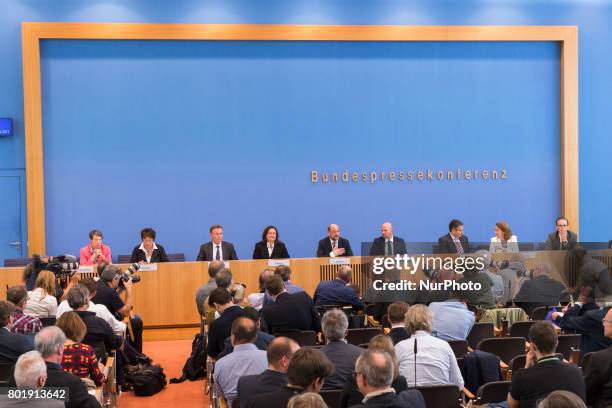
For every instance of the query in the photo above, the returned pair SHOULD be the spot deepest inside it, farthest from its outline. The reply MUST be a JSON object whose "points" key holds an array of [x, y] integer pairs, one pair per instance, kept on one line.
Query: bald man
{"points": [[333, 245], [387, 244]]}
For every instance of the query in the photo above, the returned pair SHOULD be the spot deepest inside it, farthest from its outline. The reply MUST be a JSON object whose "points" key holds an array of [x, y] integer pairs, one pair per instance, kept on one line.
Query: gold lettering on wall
{"points": [[398, 176]]}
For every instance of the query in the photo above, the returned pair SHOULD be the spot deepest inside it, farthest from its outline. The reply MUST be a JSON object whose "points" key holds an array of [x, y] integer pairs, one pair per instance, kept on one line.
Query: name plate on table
{"points": [[225, 263], [340, 261], [85, 269], [278, 262], [148, 267], [528, 255]]}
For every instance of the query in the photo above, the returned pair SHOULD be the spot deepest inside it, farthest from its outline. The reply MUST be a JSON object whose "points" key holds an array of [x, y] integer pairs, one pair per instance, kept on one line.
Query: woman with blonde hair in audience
{"points": [[504, 240], [307, 400], [42, 301], [350, 393], [79, 358]]}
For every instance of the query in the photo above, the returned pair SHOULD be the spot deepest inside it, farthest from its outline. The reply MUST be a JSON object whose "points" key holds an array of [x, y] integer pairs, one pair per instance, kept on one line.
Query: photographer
{"points": [[63, 268], [112, 282], [539, 291]]}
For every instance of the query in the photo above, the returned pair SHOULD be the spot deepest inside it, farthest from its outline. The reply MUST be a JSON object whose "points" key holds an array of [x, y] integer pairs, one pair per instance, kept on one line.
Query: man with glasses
{"points": [[598, 376], [562, 238]]}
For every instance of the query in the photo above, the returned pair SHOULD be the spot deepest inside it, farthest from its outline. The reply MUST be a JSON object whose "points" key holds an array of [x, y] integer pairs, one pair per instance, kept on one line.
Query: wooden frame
{"points": [[32, 33]]}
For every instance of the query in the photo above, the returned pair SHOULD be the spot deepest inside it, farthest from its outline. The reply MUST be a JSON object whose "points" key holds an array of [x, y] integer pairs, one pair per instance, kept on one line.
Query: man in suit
{"points": [[388, 244], [279, 354], [337, 292], [12, 345], [288, 312], [333, 244], [50, 344], [540, 291], [374, 375], [217, 248], [598, 376], [587, 322], [342, 354], [455, 242], [396, 313], [562, 238], [307, 370], [221, 328]]}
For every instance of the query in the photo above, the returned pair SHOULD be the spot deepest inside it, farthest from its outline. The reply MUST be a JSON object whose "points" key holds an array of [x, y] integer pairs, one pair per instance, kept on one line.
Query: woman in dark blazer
{"points": [[148, 251], [270, 247]]}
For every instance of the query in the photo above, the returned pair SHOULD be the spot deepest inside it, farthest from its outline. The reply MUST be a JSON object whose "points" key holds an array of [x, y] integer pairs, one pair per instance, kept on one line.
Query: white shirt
{"points": [[100, 310], [435, 361], [511, 245], [147, 256], [270, 249], [37, 307], [218, 247]]}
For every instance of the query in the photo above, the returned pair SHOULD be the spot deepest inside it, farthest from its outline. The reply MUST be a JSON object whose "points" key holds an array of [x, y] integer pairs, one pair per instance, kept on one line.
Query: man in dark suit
{"points": [[388, 244], [455, 242], [587, 323], [333, 244], [221, 328], [562, 238], [396, 312], [598, 376], [337, 292], [12, 345], [307, 370], [374, 375], [288, 312], [279, 355], [50, 344], [540, 291], [217, 248]]}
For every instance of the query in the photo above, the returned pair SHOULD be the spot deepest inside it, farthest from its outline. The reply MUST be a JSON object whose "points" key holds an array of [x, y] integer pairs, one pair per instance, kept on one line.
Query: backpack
{"points": [[146, 380], [194, 366]]}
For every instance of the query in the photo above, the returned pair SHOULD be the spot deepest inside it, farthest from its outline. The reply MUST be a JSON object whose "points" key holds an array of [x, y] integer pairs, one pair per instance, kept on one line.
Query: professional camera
{"points": [[524, 273], [60, 265], [126, 275], [500, 265]]}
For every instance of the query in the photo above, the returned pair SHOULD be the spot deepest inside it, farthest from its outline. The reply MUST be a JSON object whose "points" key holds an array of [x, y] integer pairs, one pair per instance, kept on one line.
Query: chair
{"points": [[17, 262], [460, 347], [48, 321], [6, 371], [124, 259], [361, 336], [364, 346], [518, 362], [180, 257], [441, 396], [539, 313], [584, 362], [506, 348], [479, 332], [568, 343], [489, 393], [331, 397], [303, 338], [520, 329]]}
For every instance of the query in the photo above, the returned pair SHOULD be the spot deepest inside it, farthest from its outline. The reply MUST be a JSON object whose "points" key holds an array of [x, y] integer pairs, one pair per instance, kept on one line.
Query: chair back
{"points": [[363, 335], [506, 348], [331, 397], [479, 332], [303, 338], [17, 262], [567, 343], [460, 347], [495, 391], [178, 257], [6, 371], [539, 313], [518, 362], [521, 329], [124, 259], [48, 321], [584, 362], [441, 396]]}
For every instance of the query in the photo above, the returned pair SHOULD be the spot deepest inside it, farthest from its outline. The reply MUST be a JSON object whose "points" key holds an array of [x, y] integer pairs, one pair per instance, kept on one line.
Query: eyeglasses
{"points": [[561, 225], [604, 321]]}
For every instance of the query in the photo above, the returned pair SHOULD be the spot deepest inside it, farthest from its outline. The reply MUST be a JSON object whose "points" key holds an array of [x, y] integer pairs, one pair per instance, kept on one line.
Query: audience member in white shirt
{"points": [[42, 301]]}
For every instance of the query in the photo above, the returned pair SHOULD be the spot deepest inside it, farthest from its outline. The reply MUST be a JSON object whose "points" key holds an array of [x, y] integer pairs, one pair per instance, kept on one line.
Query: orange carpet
{"points": [[171, 355]]}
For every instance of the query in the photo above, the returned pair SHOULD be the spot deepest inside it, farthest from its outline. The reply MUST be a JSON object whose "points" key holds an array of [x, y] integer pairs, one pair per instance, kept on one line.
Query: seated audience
{"points": [[95, 252], [307, 400], [351, 394], [237, 292], [42, 301], [482, 297], [256, 300], [451, 319], [223, 279], [333, 245], [279, 354], [50, 344], [337, 292], [539, 291], [246, 359], [587, 322], [79, 358], [221, 328], [544, 372], [435, 361], [374, 375], [455, 242], [270, 247], [204, 291], [30, 374], [261, 341], [285, 273], [307, 370], [288, 312], [598, 376], [561, 399], [504, 240], [12, 345], [396, 314], [562, 238], [148, 251], [342, 354], [22, 323]]}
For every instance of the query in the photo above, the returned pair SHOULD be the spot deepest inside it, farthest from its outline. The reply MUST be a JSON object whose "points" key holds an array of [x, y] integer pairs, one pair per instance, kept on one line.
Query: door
{"points": [[11, 244]]}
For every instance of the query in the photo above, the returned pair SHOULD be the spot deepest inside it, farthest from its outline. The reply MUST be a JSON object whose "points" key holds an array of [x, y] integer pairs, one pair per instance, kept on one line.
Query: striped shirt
{"points": [[24, 324]]}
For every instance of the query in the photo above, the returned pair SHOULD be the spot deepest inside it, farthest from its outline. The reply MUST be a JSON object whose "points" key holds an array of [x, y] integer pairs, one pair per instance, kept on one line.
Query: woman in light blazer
{"points": [[504, 240]]}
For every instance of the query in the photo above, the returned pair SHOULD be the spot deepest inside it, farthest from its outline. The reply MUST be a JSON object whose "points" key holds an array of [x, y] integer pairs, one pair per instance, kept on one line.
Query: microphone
{"points": [[415, 354]]}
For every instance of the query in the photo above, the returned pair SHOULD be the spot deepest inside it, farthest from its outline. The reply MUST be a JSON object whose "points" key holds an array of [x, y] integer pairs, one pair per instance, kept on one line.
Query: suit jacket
{"points": [[351, 395], [554, 243], [207, 252], [158, 255], [598, 379], [405, 399], [446, 245], [220, 329], [12, 345], [250, 385], [343, 355], [278, 252], [325, 247], [291, 312], [398, 334], [378, 246], [79, 397], [275, 399]]}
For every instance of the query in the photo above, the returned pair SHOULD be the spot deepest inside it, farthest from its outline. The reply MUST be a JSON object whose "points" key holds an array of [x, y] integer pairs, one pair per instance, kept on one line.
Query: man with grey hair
{"points": [[204, 291], [30, 373], [50, 344], [337, 350], [338, 292], [374, 375], [223, 279]]}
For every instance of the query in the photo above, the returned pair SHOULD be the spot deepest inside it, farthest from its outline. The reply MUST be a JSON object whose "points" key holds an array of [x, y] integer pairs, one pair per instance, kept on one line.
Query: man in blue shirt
{"points": [[451, 319], [337, 292]]}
